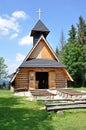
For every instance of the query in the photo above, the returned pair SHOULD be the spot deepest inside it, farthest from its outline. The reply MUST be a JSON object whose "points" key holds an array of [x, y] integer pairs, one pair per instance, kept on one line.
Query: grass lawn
{"points": [[81, 88], [17, 113]]}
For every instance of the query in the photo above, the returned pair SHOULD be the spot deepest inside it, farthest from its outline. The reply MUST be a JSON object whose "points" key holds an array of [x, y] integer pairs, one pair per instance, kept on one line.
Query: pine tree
{"points": [[74, 54], [72, 35], [62, 40], [60, 46], [81, 31], [82, 41]]}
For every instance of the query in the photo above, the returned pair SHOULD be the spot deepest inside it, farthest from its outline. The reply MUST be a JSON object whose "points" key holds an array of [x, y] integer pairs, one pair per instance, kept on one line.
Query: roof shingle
{"points": [[39, 27], [39, 63]]}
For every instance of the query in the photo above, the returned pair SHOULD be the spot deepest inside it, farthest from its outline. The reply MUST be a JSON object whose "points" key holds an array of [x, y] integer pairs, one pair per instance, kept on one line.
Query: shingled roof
{"points": [[41, 63], [39, 27]]}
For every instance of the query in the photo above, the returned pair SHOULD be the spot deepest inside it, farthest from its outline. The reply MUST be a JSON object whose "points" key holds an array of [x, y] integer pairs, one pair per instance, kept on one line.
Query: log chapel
{"points": [[41, 69]]}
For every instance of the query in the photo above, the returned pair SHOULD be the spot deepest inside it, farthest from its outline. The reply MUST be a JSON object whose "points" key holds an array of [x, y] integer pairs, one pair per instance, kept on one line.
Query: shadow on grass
{"points": [[13, 116], [24, 119], [9, 101]]}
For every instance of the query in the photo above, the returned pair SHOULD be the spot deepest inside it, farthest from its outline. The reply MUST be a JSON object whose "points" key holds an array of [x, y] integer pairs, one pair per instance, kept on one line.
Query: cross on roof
{"points": [[39, 13]]}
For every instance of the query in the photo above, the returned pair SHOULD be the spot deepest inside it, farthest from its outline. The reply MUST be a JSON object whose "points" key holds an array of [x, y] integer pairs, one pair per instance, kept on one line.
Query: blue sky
{"points": [[18, 17]]}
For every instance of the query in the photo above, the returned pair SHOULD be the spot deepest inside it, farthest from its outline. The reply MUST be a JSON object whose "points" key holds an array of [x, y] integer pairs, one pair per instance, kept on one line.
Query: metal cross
{"points": [[39, 13]]}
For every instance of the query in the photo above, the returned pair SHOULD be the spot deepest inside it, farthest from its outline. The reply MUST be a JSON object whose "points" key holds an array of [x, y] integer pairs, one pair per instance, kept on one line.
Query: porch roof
{"points": [[41, 63]]}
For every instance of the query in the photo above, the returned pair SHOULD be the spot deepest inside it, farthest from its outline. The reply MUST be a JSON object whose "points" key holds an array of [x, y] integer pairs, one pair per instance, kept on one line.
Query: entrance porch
{"points": [[42, 80]]}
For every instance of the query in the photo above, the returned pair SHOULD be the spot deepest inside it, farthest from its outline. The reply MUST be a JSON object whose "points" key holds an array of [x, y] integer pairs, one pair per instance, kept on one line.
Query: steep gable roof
{"points": [[39, 27], [48, 45]]}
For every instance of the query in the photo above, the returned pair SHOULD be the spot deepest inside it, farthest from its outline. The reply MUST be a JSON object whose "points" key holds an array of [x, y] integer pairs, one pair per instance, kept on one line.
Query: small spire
{"points": [[39, 13]]}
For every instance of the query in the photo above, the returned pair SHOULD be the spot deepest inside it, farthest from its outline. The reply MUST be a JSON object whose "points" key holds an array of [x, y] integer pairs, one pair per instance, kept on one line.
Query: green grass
{"points": [[17, 113], [80, 88]]}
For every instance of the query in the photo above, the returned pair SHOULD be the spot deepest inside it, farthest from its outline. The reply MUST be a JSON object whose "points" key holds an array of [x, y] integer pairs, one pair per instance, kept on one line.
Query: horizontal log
{"points": [[65, 107], [40, 93], [64, 104], [67, 99], [21, 89]]}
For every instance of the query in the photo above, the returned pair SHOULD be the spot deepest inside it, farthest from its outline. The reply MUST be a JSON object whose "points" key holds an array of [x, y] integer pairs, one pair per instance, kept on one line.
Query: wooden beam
{"points": [[65, 107]]}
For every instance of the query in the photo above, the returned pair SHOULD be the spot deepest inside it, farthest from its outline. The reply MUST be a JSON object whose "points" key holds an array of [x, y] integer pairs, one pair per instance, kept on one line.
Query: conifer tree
{"points": [[72, 35], [74, 53], [81, 31]]}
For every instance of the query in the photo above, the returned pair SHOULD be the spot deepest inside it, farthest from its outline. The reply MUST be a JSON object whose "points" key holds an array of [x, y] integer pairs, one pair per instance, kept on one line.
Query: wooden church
{"points": [[41, 69]]}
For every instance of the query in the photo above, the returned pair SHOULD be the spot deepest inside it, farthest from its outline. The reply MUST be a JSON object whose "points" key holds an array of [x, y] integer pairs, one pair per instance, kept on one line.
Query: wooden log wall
{"points": [[61, 79], [27, 78], [22, 79]]}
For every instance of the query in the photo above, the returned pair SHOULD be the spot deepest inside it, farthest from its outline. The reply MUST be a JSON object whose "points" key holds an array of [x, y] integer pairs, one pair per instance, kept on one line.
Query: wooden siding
{"points": [[27, 78], [22, 79], [61, 79], [42, 51]]}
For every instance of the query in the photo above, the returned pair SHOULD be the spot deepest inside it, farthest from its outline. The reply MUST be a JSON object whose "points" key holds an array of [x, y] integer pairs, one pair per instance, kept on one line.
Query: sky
{"points": [[18, 17]]}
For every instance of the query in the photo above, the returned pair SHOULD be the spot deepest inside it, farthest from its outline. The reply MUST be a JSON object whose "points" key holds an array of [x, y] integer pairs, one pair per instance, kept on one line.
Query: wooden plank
{"points": [[42, 92], [64, 107], [20, 89], [70, 92], [64, 104], [65, 100]]}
